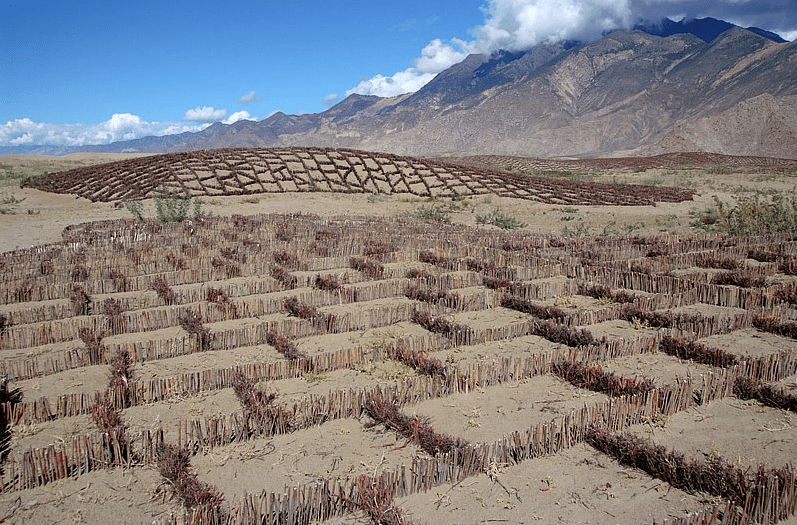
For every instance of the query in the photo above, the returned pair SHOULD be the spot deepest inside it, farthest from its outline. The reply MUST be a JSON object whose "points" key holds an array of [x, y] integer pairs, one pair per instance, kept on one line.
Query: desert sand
{"points": [[506, 394]]}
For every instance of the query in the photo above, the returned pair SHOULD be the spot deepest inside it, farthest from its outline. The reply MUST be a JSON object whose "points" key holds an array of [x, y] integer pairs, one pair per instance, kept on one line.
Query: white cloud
{"points": [[121, 126], [238, 115], [330, 100], [249, 97], [435, 57], [205, 114]]}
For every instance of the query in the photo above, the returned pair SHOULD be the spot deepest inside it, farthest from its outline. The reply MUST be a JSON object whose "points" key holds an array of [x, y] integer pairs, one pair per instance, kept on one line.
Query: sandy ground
{"points": [[577, 485]]}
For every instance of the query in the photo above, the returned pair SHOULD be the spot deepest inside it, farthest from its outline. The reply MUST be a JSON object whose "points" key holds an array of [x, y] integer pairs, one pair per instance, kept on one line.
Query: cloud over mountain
{"points": [[518, 25], [121, 126]]}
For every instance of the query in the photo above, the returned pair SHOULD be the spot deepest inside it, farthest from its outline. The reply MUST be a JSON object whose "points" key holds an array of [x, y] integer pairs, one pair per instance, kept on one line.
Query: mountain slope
{"points": [[630, 91]]}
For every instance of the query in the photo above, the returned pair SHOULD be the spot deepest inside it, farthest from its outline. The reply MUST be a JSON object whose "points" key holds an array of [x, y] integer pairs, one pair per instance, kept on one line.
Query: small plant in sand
{"points": [[419, 293], [81, 301], [766, 394], [438, 325], [558, 333], [375, 500], [254, 400], [502, 220], [112, 309], [740, 278], [10, 397], [714, 476], [163, 290], [172, 205], [767, 324], [112, 425], [174, 464], [424, 364], [692, 350], [219, 297], [415, 429], [283, 276], [120, 282], [93, 344], [596, 379], [367, 266], [191, 322], [540, 311], [309, 312], [284, 345]]}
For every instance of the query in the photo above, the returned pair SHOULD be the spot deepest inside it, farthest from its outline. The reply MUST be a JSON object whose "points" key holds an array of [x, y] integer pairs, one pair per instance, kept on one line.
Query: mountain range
{"points": [[699, 85]]}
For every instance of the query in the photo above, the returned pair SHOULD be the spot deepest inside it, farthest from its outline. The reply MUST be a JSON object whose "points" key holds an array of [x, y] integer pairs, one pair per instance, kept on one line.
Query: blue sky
{"points": [[86, 72]]}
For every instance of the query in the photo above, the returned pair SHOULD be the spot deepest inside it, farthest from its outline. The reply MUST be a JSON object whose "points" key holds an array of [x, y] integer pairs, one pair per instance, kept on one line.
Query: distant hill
{"points": [[703, 84]]}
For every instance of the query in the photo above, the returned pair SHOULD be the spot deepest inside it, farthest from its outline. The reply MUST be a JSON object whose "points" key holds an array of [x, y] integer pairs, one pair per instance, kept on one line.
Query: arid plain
{"points": [[543, 344]]}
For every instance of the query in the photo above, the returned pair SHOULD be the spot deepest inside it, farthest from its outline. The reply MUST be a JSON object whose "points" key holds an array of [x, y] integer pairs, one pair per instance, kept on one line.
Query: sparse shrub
{"points": [[284, 346], [136, 208], [419, 361], [558, 333], [421, 275], [438, 325], [749, 388], [80, 273], [220, 297], [503, 221], [191, 322], [172, 205], [122, 374], [697, 352], [751, 216], [309, 312], [767, 324], [632, 313], [178, 263], [418, 293], [112, 309], [761, 255], [594, 378], [540, 311], [81, 301], [433, 213], [111, 423], [163, 290], [375, 500], [788, 267], [93, 344], [740, 278], [378, 248], [281, 274], [254, 400], [286, 259], [327, 283], [714, 476], [367, 266], [415, 429], [11, 397], [174, 464], [120, 282], [494, 283], [705, 261], [285, 230], [426, 256]]}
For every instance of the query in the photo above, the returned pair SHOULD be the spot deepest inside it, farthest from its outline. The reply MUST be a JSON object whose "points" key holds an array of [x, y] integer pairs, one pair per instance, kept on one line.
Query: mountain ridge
{"points": [[629, 92]]}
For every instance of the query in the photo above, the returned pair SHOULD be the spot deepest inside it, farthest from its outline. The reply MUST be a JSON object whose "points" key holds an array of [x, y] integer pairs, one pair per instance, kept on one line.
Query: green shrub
{"points": [[171, 205], [751, 216], [503, 221], [433, 213]]}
